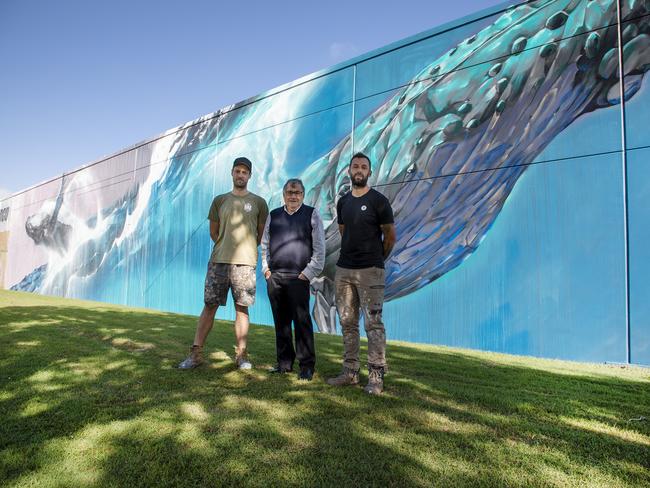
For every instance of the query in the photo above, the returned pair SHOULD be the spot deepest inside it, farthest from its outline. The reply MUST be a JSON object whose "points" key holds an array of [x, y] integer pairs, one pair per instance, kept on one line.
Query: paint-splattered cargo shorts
{"points": [[240, 278]]}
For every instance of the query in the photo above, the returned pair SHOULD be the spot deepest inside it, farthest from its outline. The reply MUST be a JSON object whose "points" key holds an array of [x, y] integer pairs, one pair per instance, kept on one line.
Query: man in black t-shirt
{"points": [[367, 229]]}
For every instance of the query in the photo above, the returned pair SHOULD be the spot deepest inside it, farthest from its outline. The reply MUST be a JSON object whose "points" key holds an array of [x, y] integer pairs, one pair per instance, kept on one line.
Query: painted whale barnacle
{"points": [[502, 84], [548, 50], [452, 127], [557, 20], [630, 32], [472, 124], [519, 45], [465, 108], [609, 64], [635, 54], [592, 45], [494, 70]]}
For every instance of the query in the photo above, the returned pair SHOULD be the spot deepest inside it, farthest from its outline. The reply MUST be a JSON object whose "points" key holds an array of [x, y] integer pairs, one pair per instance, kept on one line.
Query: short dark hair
{"points": [[292, 182], [242, 161], [360, 155]]}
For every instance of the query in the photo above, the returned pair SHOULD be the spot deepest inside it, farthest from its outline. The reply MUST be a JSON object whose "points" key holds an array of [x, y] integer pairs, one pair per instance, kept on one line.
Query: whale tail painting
{"points": [[447, 148]]}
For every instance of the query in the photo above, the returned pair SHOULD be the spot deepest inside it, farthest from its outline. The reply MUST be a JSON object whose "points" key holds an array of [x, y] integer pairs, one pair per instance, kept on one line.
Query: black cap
{"points": [[241, 160]]}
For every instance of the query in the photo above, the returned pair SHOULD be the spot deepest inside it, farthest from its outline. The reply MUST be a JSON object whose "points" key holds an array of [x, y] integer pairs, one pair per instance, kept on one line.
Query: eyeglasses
{"points": [[292, 193]]}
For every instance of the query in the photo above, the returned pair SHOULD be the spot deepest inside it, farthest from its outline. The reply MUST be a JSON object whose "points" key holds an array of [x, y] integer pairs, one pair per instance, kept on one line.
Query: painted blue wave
{"points": [[447, 149]]}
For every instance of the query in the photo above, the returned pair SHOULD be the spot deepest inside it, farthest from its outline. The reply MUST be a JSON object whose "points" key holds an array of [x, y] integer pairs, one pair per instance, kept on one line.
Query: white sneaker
{"points": [[243, 363]]}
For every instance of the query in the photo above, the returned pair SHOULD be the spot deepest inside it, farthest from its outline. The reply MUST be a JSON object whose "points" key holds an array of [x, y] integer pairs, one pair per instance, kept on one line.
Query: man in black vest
{"points": [[293, 254]]}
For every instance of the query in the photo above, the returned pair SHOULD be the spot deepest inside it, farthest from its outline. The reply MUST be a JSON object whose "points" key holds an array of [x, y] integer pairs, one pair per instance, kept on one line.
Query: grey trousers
{"points": [[361, 290]]}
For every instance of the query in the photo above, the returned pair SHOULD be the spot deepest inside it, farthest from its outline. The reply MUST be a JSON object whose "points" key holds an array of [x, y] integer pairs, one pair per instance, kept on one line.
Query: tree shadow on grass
{"points": [[98, 388]]}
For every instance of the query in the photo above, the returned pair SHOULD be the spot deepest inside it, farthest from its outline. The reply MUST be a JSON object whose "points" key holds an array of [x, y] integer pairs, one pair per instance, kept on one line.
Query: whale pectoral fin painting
{"points": [[459, 117], [447, 148]]}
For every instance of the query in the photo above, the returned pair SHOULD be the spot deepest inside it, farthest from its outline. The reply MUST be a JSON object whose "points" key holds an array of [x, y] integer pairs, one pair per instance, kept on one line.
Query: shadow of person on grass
{"points": [[98, 389]]}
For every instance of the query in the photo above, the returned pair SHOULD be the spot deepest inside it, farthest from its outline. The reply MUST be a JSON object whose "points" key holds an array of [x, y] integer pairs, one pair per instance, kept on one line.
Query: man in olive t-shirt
{"points": [[236, 224], [238, 218]]}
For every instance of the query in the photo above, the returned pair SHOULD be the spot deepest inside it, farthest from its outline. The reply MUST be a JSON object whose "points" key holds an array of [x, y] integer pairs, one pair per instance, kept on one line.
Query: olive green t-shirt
{"points": [[238, 219]]}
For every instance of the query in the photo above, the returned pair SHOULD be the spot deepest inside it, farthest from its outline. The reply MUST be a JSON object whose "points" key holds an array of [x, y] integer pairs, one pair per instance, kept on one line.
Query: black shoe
{"points": [[277, 369], [306, 374]]}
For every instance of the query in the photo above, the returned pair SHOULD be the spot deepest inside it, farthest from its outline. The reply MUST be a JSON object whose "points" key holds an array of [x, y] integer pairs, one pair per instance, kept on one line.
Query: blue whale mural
{"points": [[447, 148]]}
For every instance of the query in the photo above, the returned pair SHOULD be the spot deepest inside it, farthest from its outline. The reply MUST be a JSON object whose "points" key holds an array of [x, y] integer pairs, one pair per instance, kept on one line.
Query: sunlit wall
{"points": [[519, 181]]}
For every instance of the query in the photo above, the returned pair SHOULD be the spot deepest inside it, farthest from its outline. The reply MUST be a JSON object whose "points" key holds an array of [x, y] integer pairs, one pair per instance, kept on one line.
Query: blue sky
{"points": [[83, 79]]}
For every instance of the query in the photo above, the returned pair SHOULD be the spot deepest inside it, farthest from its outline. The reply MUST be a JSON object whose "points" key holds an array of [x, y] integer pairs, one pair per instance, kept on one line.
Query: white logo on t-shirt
{"points": [[248, 207], [364, 208]]}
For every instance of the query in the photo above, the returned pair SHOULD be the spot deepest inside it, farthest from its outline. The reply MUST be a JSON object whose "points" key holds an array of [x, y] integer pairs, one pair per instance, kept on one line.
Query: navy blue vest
{"points": [[290, 243]]}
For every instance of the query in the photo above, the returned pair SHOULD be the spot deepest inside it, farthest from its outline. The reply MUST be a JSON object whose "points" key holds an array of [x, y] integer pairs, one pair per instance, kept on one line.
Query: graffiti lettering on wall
{"points": [[449, 135]]}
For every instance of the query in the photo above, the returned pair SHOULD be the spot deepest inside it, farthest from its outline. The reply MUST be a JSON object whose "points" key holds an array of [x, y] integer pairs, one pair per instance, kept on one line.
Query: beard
{"points": [[359, 181], [239, 184]]}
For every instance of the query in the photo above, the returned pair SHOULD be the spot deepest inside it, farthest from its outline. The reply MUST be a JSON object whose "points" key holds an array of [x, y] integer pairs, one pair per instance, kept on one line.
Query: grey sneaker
{"points": [[347, 377], [194, 359], [242, 362], [375, 381]]}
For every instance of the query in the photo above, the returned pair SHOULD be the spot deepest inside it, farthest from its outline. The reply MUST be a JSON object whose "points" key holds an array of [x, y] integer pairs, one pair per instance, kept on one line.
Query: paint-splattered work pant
{"points": [[361, 290]]}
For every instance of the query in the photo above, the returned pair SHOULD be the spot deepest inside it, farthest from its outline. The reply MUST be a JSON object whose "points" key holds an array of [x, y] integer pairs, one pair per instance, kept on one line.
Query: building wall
{"points": [[520, 185]]}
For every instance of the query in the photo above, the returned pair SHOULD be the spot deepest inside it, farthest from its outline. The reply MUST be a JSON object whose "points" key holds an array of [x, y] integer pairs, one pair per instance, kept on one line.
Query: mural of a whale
{"points": [[461, 116], [447, 148]]}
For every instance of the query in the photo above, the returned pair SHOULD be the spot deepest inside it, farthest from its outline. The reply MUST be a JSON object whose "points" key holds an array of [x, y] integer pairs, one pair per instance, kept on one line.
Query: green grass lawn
{"points": [[89, 396]]}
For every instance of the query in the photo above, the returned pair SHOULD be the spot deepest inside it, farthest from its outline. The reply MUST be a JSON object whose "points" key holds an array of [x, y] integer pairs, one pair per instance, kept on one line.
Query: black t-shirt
{"points": [[362, 244]]}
